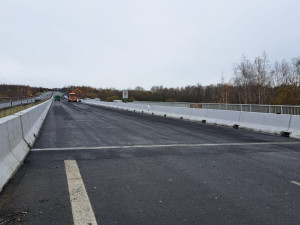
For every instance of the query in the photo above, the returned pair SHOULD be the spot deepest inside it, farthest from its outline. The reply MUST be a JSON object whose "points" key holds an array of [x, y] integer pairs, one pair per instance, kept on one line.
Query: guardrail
{"points": [[277, 109], [23, 99], [175, 104], [8, 102]]}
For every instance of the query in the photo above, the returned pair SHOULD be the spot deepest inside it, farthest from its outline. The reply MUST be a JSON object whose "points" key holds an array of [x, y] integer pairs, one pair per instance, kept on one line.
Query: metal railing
{"points": [[278, 109], [175, 104], [13, 101]]}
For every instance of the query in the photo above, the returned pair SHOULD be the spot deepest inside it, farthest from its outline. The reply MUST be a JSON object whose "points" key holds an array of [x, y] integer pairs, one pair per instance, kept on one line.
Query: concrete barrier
{"points": [[8, 162], [173, 112], [18, 146], [16, 138], [265, 122], [160, 110], [223, 117], [132, 107], [32, 120], [119, 105], [294, 128], [193, 114], [140, 107], [25, 126]]}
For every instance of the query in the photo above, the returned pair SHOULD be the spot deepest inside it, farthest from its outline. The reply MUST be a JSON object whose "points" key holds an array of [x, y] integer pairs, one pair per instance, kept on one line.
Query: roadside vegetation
{"points": [[15, 109], [256, 81], [15, 91], [253, 82]]}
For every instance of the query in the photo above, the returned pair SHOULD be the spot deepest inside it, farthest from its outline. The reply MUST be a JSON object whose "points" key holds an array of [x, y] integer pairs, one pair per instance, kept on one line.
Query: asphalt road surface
{"points": [[96, 165], [43, 96]]}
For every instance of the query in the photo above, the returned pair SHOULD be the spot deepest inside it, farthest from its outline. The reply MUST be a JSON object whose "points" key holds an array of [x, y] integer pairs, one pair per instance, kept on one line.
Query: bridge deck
{"points": [[142, 169]]}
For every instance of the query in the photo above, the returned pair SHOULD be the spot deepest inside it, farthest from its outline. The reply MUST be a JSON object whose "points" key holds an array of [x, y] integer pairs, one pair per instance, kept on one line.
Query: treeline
{"points": [[261, 82], [19, 90], [253, 82]]}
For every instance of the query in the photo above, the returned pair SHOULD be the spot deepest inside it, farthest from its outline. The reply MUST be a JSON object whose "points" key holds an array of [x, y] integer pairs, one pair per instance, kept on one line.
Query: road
{"points": [[43, 96], [130, 168]]}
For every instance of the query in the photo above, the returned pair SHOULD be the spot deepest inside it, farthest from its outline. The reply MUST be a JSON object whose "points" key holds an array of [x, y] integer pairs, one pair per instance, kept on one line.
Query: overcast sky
{"points": [[129, 43]]}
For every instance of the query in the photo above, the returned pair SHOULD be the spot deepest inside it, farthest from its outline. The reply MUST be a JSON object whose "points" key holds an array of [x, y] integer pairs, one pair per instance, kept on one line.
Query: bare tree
{"points": [[244, 79], [262, 77]]}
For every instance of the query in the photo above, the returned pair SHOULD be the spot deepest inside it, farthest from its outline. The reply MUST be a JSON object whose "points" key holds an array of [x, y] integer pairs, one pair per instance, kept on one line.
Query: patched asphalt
{"points": [[169, 184]]}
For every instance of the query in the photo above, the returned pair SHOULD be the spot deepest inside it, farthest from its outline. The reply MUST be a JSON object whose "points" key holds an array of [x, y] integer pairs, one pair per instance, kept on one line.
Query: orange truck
{"points": [[72, 97]]}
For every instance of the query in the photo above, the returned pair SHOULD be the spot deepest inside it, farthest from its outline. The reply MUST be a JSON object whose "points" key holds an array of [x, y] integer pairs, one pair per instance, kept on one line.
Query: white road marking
{"points": [[81, 207], [295, 182], [164, 146]]}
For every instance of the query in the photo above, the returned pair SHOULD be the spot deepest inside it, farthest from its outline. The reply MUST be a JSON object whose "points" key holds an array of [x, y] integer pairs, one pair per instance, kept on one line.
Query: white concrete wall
{"points": [[263, 122], [8, 162], [194, 114], [294, 127], [17, 134], [222, 117], [32, 120], [18, 146]]}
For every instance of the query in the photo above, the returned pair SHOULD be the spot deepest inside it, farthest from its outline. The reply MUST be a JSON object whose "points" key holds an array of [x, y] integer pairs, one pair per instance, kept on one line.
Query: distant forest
{"points": [[253, 82], [19, 90]]}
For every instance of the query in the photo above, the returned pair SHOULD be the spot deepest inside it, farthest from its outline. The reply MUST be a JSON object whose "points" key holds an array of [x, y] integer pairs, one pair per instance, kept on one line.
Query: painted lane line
{"points": [[164, 146], [81, 207], [295, 182]]}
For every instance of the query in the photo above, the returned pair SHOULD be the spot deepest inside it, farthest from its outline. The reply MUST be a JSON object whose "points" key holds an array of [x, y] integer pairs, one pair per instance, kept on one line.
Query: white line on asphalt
{"points": [[164, 146], [81, 207], [295, 182]]}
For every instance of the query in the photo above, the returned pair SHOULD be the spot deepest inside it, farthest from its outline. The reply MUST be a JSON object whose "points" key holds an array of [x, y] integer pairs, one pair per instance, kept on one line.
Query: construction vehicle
{"points": [[81, 94], [77, 94], [72, 97]]}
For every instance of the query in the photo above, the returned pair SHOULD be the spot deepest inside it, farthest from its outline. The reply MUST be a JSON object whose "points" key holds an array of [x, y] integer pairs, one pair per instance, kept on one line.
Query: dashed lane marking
{"points": [[81, 207], [295, 182], [164, 146]]}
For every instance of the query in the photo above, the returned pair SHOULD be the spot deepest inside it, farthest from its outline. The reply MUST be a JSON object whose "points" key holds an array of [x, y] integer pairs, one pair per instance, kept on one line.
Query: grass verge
{"points": [[14, 109]]}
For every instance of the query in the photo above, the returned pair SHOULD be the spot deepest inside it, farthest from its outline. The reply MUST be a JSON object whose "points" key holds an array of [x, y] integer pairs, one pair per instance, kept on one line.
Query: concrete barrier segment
{"points": [[223, 117], [169, 111], [294, 128], [14, 130], [265, 122], [193, 114], [8, 162], [173, 112], [158, 110], [119, 105], [138, 107], [32, 120], [18, 146], [26, 126]]}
